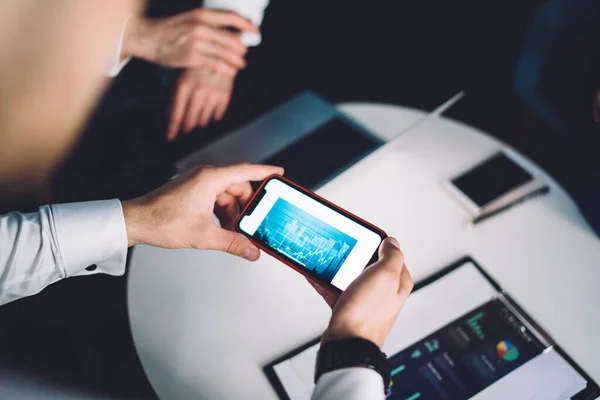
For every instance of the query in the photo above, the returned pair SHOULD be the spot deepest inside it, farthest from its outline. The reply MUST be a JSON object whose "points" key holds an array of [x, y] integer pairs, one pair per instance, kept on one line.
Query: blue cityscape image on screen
{"points": [[307, 240]]}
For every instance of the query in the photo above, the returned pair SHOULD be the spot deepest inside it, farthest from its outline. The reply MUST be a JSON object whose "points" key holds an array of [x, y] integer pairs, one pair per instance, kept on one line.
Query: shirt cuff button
{"points": [[91, 268]]}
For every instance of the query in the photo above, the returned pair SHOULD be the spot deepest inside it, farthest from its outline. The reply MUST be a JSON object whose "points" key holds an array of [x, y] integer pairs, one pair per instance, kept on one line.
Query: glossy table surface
{"points": [[205, 323]]}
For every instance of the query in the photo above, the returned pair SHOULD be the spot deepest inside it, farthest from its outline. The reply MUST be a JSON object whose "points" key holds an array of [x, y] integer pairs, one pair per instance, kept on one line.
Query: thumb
{"points": [[232, 243], [389, 251]]}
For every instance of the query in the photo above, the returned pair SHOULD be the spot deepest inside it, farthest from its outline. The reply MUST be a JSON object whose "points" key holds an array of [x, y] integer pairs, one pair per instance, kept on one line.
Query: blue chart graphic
{"points": [[307, 240]]}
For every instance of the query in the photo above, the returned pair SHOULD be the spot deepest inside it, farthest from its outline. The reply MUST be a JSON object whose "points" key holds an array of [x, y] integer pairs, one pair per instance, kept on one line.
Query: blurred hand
{"points": [[195, 39], [200, 96], [369, 307], [179, 214]]}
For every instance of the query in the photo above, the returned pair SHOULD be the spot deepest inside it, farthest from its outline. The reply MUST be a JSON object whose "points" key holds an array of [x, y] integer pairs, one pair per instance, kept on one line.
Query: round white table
{"points": [[205, 323]]}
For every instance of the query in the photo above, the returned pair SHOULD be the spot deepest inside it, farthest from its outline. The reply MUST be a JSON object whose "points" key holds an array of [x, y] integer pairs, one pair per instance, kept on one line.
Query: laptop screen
{"points": [[324, 153]]}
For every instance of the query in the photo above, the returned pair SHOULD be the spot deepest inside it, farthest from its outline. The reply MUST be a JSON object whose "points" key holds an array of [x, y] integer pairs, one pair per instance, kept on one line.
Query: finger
{"points": [[227, 210], [242, 192], [239, 173], [390, 253], [230, 242], [180, 100], [207, 48], [222, 107], [222, 18], [194, 109], [208, 109], [224, 38], [329, 297]]}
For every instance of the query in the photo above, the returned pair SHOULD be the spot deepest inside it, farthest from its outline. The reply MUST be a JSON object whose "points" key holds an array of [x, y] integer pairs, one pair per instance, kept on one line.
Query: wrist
{"points": [[135, 39], [341, 332], [134, 222], [349, 353]]}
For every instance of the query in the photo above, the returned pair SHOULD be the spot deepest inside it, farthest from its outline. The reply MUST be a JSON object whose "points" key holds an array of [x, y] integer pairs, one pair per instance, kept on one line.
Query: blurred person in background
{"points": [[55, 56], [174, 71], [51, 73]]}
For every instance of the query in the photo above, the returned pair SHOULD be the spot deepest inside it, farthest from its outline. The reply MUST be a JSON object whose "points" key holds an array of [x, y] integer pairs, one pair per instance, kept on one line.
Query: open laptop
{"points": [[307, 136]]}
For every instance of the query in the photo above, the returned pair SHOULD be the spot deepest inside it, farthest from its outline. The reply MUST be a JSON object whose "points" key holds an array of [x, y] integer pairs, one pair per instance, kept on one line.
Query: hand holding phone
{"points": [[370, 306], [179, 215], [320, 240]]}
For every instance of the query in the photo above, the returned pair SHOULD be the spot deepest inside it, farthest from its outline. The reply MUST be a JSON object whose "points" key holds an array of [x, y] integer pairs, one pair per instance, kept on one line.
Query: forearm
{"points": [[137, 38], [57, 242], [136, 221]]}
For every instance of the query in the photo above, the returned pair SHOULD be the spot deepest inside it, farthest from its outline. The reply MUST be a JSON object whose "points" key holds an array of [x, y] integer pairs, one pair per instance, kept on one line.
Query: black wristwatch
{"points": [[347, 353]]}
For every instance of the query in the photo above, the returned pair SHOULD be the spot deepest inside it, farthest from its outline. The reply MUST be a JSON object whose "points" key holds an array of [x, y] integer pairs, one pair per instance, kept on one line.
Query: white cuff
{"points": [[350, 384], [91, 233], [116, 68], [254, 10], [116, 64], [250, 39]]}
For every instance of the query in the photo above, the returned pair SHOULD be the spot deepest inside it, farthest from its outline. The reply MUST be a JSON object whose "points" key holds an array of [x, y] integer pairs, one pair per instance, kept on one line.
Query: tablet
{"points": [[459, 336]]}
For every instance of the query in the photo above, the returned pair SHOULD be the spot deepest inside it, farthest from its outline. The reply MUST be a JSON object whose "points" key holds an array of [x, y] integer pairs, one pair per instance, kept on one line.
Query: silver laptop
{"points": [[311, 139]]}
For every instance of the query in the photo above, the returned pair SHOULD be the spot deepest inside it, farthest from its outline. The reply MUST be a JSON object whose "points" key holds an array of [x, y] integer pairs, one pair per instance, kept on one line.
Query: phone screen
{"points": [[491, 179], [324, 242]]}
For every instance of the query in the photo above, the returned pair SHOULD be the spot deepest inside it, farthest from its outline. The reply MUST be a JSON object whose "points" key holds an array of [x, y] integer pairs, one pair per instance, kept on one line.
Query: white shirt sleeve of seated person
{"points": [[254, 10], [57, 242], [116, 64], [349, 384]]}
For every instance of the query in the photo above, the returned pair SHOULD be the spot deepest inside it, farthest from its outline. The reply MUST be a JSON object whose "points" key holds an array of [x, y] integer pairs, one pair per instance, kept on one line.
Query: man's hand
{"points": [[368, 308], [195, 39], [179, 214], [200, 96]]}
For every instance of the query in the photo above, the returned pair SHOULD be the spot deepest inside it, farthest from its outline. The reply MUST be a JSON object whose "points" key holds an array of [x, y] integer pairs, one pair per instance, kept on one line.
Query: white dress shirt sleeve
{"points": [[57, 242], [254, 10], [349, 384], [116, 64]]}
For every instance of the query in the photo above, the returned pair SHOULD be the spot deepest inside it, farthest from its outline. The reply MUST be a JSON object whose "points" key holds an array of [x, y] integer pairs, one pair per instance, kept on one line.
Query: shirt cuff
{"points": [[253, 10], [250, 39], [91, 233], [350, 384], [116, 64]]}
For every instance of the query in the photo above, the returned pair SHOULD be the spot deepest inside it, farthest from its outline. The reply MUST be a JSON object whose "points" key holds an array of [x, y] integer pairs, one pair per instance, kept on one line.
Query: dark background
{"points": [[410, 53]]}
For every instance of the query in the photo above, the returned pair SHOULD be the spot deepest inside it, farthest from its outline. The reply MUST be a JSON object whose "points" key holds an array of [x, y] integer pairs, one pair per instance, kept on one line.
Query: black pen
{"points": [[538, 192]]}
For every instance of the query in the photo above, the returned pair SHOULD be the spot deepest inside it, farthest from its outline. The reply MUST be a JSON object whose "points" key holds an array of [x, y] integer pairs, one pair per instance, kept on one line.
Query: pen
{"points": [[538, 192]]}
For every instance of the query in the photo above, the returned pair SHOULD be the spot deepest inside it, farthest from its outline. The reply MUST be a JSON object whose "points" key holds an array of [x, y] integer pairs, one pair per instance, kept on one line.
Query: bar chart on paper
{"points": [[306, 240]]}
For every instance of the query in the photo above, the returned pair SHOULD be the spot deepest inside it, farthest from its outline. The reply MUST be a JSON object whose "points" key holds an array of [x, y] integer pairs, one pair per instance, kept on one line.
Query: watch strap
{"points": [[353, 352]]}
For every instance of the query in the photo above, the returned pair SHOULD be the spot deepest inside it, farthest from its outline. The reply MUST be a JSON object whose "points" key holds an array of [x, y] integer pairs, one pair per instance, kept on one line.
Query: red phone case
{"points": [[277, 255]]}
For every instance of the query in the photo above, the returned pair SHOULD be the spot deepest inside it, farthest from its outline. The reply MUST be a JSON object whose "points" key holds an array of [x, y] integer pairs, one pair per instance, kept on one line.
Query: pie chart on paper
{"points": [[507, 351]]}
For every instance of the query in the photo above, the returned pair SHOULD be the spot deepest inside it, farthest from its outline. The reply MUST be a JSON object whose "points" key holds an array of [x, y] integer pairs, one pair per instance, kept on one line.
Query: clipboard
{"points": [[505, 352]]}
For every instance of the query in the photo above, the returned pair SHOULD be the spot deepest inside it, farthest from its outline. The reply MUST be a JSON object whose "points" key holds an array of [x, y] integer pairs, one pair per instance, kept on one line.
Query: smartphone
{"points": [[492, 183], [318, 239]]}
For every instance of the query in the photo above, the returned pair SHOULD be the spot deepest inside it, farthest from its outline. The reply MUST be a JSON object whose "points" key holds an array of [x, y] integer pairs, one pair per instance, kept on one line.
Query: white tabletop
{"points": [[205, 323]]}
